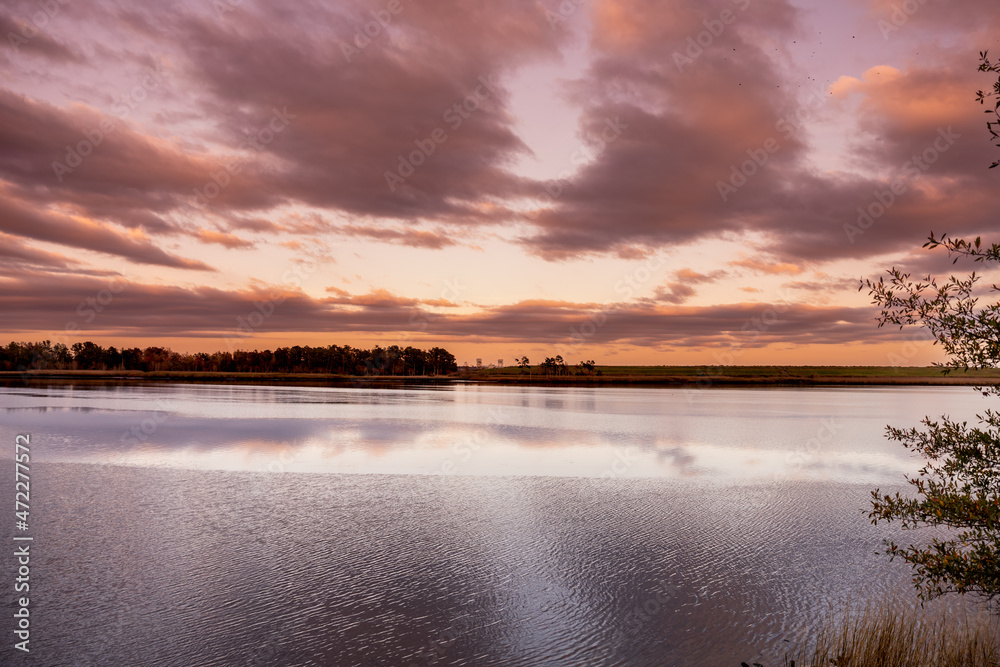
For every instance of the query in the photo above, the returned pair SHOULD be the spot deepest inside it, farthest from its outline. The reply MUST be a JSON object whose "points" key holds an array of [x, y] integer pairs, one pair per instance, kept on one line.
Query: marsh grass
{"points": [[893, 634]]}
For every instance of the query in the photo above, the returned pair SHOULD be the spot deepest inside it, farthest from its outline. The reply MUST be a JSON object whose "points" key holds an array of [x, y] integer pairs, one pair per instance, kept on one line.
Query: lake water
{"points": [[450, 525]]}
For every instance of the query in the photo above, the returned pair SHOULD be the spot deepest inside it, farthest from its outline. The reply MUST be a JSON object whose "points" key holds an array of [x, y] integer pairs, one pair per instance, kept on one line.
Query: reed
{"points": [[892, 634]]}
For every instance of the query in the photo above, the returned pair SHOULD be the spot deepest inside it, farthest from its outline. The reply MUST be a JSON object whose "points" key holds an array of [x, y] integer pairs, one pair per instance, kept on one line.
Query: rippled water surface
{"points": [[238, 525]]}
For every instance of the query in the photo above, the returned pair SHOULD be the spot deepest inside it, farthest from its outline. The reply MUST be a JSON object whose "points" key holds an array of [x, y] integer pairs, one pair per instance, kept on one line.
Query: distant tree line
{"points": [[557, 366], [346, 360]]}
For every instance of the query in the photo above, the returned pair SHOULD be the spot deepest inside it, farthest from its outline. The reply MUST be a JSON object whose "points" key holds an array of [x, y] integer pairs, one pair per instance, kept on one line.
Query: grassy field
{"points": [[699, 376], [702, 375]]}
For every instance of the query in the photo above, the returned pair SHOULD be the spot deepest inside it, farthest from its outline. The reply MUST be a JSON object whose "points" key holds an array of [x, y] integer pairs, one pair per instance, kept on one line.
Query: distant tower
{"points": [[500, 363], [479, 362]]}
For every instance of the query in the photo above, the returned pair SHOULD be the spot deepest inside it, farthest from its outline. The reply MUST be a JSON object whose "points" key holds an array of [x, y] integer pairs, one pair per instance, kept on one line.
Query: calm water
{"points": [[222, 525]]}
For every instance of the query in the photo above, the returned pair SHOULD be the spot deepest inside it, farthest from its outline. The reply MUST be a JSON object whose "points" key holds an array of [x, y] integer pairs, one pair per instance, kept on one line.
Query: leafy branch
{"points": [[991, 125]]}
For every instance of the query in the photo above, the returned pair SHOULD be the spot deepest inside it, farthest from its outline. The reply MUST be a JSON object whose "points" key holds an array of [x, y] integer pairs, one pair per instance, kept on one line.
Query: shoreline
{"points": [[622, 376]]}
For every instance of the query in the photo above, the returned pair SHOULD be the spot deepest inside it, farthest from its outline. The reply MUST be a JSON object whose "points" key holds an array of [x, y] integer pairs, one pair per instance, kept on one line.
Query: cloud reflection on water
{"points": [[717, 435]]}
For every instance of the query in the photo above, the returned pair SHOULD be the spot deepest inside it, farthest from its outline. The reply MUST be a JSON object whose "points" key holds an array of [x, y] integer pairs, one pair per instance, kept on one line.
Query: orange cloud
{"points": [[227, 240], [912, 100], [416, 238], [772, 268]]}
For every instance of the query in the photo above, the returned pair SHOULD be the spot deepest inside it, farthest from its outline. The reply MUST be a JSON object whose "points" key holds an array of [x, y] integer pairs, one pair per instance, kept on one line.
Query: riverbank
{"points": [[706, 376], [664, 376]]}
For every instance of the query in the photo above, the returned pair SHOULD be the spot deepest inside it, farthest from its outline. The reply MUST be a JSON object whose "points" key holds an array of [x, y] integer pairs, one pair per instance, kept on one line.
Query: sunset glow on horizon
{"points": [[629, 181]]}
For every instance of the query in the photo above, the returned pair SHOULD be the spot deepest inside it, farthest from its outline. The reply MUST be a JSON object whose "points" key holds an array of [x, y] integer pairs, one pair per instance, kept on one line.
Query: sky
{"points": [[628, 181]]}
